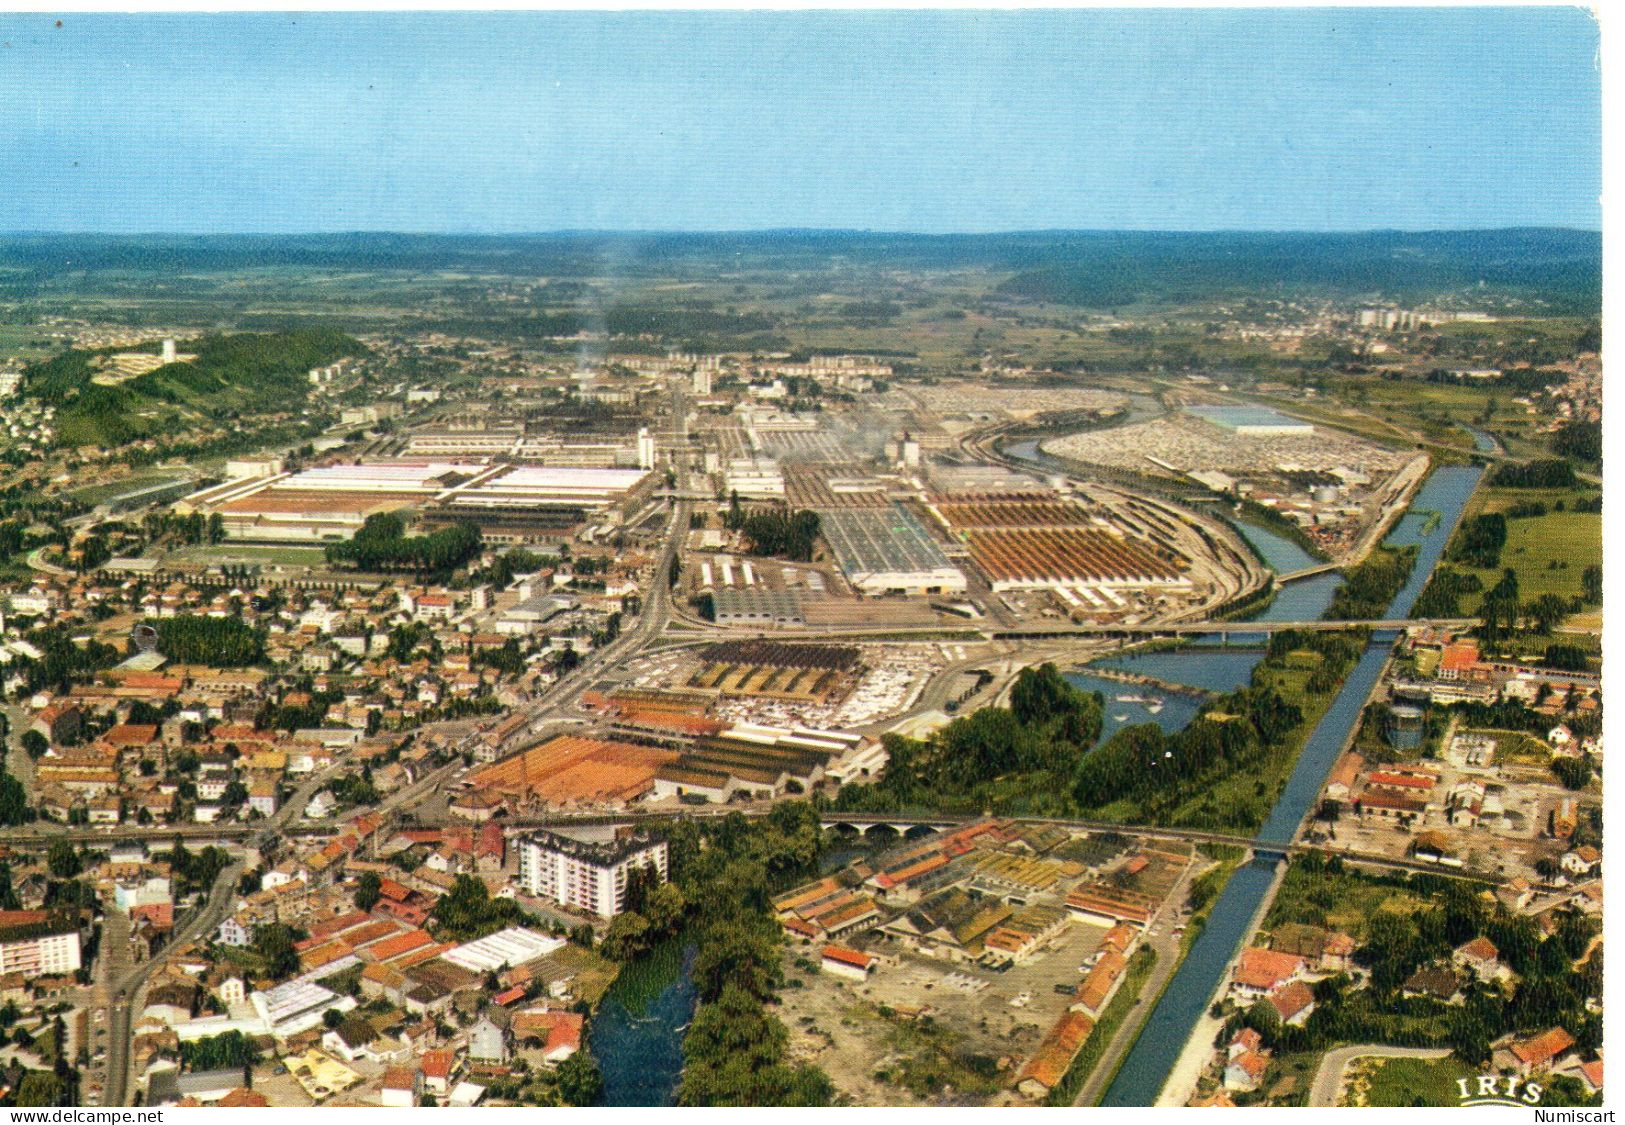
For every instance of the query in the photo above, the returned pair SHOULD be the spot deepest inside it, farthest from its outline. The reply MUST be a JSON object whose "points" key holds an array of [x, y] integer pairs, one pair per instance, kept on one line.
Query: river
{"points": [[1188, 994], [637, 1034]]}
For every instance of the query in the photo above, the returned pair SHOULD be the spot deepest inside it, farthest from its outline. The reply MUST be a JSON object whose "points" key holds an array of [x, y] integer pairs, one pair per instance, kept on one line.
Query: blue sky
{"points": [[926, 121]]}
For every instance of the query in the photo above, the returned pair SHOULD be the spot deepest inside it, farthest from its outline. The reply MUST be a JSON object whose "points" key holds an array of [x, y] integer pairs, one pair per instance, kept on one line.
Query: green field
{"points": [[232, 554], [1412, 1082], [1571, 540], [101, 493]]}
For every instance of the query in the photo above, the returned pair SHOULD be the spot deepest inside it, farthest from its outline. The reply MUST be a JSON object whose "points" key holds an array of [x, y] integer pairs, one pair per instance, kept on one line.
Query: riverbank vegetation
{"points": [[1370, 586], [1224, 770], [1017, 759], [734, 1053]]}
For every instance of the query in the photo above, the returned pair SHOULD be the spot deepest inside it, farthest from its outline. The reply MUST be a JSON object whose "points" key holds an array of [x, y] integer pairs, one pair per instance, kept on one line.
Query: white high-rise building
{"points": [[36, 943], [646, 449], [169, 350], [584, 874]]}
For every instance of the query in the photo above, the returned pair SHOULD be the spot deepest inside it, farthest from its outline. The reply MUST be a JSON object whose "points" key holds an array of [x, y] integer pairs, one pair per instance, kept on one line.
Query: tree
{"points": [[1547, 611], [580, 1083], [40, 1088], [367, 890], [1591, 584], [35, 743], [63, 859], [274, 942], [626, 937]]}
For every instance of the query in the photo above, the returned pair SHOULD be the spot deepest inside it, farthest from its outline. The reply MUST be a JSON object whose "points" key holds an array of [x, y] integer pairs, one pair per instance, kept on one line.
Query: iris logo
{"points": [[1492, 1089]]}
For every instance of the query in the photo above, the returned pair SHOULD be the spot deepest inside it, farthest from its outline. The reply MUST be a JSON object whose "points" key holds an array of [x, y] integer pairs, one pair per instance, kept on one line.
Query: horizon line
{"points": [[599, 232]]}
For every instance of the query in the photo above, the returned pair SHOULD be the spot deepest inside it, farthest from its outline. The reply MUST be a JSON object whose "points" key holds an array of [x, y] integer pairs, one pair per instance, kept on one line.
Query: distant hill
{"points": [[242, 374], [1085, 268]]}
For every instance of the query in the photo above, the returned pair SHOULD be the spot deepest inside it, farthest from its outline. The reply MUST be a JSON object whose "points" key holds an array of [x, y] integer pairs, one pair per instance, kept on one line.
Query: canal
{"points": [[1188, 994]]}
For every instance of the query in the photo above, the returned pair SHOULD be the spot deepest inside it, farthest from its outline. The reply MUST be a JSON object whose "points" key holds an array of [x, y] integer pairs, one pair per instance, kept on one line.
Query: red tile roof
{"points": [[843, 955]]}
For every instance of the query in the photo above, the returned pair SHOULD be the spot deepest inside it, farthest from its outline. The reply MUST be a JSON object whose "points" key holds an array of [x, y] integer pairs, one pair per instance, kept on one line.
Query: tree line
{"points": [[382, 544]]}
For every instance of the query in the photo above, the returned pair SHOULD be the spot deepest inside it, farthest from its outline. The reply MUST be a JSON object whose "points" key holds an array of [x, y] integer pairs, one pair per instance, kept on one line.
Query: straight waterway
{"points": [[1188, 994]]}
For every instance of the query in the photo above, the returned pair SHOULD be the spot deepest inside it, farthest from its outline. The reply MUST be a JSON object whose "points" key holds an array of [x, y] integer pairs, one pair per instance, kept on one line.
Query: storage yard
{"points": [[1183, 443]]}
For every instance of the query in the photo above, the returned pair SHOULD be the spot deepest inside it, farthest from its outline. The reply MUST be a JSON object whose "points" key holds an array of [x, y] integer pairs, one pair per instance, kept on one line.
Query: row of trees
{"points": [[1547, 473], [382, 544]]}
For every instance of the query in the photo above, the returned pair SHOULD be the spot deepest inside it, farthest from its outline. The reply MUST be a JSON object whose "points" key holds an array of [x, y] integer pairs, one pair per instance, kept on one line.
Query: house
{"points": [[1326, 951], [849, 963], [357, 1039], [1528, 1057], [490, 1040], [402, 1088], [1481, 958], [1340, 786], [439, 1070], [1294, 1003], [58, 723], [233, 933], [1246, 1040], [557, 1033], [1582, 861], [1435, 982], [1260, 971], [1246, 1070]]}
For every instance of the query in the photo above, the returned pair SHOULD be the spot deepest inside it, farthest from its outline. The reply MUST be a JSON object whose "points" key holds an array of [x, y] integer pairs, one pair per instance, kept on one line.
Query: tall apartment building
{"points": [[587, 875], [36, 943]]}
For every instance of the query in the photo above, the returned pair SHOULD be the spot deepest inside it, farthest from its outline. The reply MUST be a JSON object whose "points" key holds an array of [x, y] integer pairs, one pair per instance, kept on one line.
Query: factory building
{"points": [[1252, 421], [887, 551]]}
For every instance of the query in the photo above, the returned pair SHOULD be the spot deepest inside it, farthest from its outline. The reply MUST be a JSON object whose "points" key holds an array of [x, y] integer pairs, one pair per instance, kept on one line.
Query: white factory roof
{"points": [[549, 478], [401, 476], [513, 946]]}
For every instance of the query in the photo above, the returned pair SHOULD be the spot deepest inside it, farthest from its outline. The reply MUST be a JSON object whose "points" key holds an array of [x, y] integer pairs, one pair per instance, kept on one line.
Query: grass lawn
{"points": [[1516, 747], [234, 553], [1408, 1082]]}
